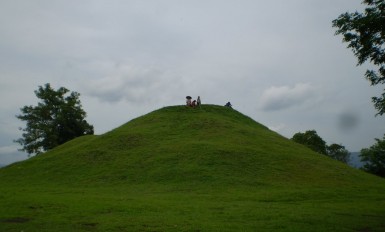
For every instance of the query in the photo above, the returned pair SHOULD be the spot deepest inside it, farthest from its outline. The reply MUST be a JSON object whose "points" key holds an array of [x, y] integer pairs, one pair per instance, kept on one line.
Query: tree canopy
{"points": [[374, 158], [365, 35], [56, 119], [312, 140], [338, 152]]}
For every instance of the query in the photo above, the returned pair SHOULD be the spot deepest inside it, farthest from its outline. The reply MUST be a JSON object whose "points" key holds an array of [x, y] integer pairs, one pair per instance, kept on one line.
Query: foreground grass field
{"points": [[162, 209], [183, 169]]}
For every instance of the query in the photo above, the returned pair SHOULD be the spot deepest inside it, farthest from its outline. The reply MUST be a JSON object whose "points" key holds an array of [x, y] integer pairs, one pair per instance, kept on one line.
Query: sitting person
{"points": [[228, 104], [194, 103], [188, 101]]}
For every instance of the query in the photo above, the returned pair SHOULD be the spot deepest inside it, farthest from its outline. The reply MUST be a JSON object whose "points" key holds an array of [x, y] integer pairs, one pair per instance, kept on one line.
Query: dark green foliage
{"points": [[365, 35], [56, 119], [338, 152], [374, 158], [312, 140]]}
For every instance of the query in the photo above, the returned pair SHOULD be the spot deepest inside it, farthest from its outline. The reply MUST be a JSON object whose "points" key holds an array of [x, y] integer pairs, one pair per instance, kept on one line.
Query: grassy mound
{"points": [[182, 169]]}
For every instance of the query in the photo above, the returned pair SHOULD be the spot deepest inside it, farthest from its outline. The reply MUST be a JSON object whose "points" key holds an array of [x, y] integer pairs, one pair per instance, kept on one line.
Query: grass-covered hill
{"points": [[182, 169]]}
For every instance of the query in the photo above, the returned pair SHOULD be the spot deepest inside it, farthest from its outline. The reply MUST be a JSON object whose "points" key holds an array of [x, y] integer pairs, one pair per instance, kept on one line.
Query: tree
{"points": [[311, 139], [338, 152], [56, 119], [374, 158], [365, 35]]}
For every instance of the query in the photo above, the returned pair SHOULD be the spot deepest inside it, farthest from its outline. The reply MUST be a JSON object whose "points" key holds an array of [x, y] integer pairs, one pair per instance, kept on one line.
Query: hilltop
{"points": [[183, 169]]}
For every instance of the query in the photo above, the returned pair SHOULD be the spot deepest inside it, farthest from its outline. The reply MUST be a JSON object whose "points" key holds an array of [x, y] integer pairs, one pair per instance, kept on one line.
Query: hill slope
{"points": [[209, 167], [182, 145]]}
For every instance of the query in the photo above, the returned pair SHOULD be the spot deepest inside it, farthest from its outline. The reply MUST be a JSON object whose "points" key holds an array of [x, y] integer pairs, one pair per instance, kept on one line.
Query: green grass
{"points": [[183, 169]]}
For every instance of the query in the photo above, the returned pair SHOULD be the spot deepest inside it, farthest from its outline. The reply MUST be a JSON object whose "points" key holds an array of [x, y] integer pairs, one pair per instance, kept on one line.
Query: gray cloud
{"points": [[124, 82], [283, 97]]}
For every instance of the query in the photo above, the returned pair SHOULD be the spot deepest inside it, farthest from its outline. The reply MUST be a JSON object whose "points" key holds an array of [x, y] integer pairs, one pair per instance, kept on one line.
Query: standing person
{"points": [[199, 101]]}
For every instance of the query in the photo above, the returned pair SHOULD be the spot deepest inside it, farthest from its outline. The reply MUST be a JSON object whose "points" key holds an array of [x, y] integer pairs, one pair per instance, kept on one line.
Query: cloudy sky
{"points": [[278, 62]]}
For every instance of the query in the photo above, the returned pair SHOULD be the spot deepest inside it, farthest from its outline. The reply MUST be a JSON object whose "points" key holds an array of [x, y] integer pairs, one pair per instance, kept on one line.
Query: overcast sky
{"points": [[278, 62]]}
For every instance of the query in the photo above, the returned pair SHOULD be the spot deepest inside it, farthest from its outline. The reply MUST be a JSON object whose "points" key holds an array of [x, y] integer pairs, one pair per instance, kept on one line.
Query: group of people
{"points": [[197, 102], [193, 103]]}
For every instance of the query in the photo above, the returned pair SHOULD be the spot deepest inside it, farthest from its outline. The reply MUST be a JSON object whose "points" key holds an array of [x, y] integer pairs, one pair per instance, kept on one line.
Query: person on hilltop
{"points": [[199, 101], [188, 101], [194, 103], [228, 104]]}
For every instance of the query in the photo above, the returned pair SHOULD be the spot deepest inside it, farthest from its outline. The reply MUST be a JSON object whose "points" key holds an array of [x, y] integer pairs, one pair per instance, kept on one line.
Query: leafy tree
{"points": [[365, 35], [338, 152], [374, 158], [56, 119], [312, 140]]}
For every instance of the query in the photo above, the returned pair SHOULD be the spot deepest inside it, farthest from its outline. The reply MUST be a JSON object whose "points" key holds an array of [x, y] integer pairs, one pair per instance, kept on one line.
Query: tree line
{"points": [[372, 157], [313, 141]]}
